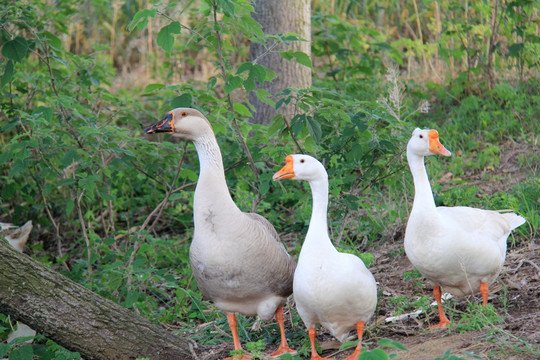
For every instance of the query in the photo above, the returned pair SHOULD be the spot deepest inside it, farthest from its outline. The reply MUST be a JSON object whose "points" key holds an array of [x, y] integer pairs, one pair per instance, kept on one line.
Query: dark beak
{"points": [[165, 125]]}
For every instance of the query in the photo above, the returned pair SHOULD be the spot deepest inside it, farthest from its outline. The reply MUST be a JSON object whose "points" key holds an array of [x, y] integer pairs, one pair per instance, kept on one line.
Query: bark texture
{"points": [[77, 318], [281, 16]]}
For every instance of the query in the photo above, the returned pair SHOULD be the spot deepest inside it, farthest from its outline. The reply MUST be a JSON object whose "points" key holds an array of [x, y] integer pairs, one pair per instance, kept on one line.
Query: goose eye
{"points": [[183, 113], [302, 160], [421, 136]]}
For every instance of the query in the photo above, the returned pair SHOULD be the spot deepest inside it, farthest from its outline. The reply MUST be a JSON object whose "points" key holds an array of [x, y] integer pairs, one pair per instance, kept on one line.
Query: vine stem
{"points": [[171, 188], [51, 217], [84, 230], [229, 99], [159, 209]]}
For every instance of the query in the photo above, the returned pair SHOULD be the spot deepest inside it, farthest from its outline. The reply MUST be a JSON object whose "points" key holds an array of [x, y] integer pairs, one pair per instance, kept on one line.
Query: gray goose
{"points": [[237, 258]]}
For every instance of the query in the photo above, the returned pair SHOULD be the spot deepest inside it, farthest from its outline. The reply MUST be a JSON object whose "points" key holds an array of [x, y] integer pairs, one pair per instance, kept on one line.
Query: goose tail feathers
{"points": [[514, 220]]}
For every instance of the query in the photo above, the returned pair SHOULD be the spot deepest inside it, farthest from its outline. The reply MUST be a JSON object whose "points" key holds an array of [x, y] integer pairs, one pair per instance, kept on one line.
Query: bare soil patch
{"points": [[519, 304]]}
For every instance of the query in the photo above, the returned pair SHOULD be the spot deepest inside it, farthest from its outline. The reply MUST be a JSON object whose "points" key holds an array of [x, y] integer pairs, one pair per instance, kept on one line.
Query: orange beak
{"points": [[435, 145], [287, 172]]}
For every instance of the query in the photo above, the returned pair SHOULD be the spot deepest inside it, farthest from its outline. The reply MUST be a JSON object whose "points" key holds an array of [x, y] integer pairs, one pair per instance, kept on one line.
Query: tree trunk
{"points": [[280, 16], [77, 318]]}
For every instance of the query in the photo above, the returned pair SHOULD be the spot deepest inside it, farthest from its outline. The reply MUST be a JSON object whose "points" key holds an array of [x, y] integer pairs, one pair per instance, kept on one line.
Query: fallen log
{"points": [[75, 317]]}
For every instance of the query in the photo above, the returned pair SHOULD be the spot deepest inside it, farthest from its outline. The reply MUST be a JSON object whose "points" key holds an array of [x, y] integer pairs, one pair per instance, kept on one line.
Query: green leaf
{"points": [[241, 109], [348, 344], [152, 87], [244, 67], [251, 27], [265, 186], [286, 356], [175, 196], [314, 128], [44, 111], [65, 182], [70, 205], [515, 49], [205, 8], [391, 344], [276, 124], [53, 40], [233, 82], [227, 6], [260, 72], [8, 74], [184, 100], [287, 55], [165, 37], [290, 37], [143, 15], [376, 354], [69, 158], [302, 58], [25, 352], [89, 183], [297, 123], [131, 297], [6, 155], [4, 348], [249, 83], [265, 97], [270, 75], [15, 49]]}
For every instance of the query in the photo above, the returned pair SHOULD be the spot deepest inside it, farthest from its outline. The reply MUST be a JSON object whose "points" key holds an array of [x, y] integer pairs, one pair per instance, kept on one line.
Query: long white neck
{"points": [[211, 186], [317, 235], [423, 196]]}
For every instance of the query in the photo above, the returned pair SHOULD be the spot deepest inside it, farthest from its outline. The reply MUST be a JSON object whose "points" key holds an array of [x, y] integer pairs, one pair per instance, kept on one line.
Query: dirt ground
{"points": [[520, 276], [515, 295]]}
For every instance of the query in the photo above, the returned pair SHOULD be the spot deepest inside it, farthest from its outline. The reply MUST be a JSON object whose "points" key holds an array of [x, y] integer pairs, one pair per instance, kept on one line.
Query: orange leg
{"points": [[359, 331], [484, 291], [231, 318], [283, 347], [314, 354], [443, 320]]}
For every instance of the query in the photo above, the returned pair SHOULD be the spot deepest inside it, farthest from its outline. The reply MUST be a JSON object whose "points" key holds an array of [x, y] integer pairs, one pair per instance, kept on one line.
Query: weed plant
{"points": [[113, 210]]}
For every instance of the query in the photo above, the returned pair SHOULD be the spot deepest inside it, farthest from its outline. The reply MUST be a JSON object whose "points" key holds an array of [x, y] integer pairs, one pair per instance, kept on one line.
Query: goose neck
{"points": [[211, 184], [209, 154], [318, 225], [423, 196]]}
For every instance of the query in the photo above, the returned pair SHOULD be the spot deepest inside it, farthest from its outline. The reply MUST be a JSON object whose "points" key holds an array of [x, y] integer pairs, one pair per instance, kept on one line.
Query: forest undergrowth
{"points": [[112, 209]]}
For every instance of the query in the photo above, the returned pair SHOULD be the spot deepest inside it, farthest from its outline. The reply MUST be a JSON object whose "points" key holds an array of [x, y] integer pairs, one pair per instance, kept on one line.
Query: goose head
{"points": [[301, 167], [426, 142], [186, 123]]}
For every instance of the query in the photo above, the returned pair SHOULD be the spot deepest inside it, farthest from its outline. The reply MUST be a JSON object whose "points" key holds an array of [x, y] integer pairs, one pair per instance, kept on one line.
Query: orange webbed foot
{"points": [[319, 357], [283, 349], [360, 333], [443, 320], [353, 356], [239, 357], [314, 354], [441, 325]]}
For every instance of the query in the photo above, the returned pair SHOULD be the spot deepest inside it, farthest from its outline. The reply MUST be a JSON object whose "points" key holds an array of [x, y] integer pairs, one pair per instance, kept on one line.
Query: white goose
{"points": [[237, 258], [459, 248], [330, 288]]}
